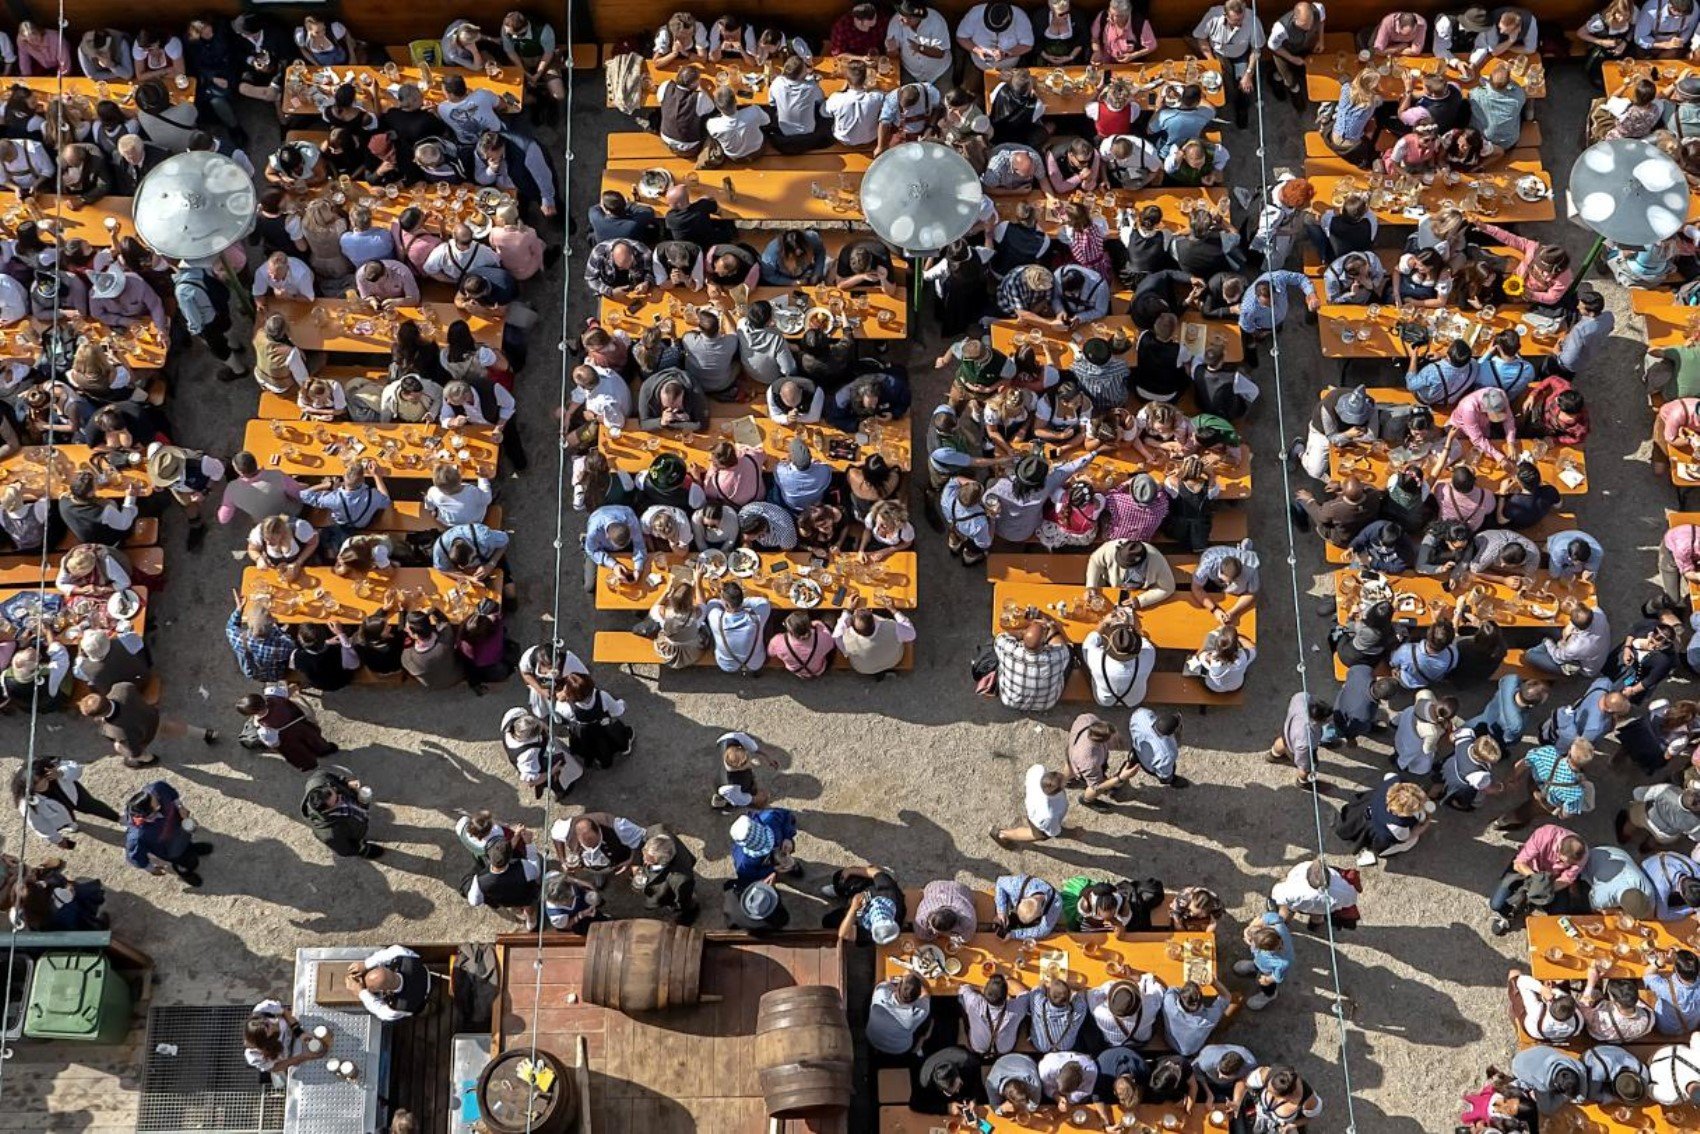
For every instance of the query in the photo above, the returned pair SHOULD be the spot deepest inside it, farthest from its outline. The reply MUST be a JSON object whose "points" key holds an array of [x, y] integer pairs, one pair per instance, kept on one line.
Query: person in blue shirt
{"points": [[1504, 367], [1264, 306], [1506, 715], [1574, 555], [470, 549], [353, 503], [1442, 381], [612, 530], [1428, 660], [1676, 995], [762, 842], [159, 835], [1173, 126], [1271, 957], [1028, 908], [1591, 716]]}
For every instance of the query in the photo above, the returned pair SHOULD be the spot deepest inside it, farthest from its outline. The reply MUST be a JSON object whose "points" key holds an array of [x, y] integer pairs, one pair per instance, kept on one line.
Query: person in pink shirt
{"points": [[1122, 34], [1678, 426], [413, 239], [386, 280], [1399, 33], [1480, 416], [1545, 268], [1553, 851], [804, 645], [1679, 561], [1461, 500], [517, 244], [734, 474], [42, 52]]}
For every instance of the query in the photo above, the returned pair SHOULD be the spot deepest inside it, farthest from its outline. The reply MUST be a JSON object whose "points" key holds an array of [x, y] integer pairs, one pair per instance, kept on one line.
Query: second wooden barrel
{"points": [[803, 1051], [639, 965]]}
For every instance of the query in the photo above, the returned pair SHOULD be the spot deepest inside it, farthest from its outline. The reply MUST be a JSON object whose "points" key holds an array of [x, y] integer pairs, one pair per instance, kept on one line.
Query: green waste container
{"points": [[78, 996]]}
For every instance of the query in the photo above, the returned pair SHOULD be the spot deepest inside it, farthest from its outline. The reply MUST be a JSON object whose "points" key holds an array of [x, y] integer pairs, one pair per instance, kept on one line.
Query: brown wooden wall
{"points": [[614, 20], [392, 22]]}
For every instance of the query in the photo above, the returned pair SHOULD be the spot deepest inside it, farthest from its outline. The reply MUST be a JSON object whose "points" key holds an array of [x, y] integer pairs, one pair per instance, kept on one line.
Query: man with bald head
{"points": [[462, 254], [1593, 716], [696, 222], [618, 269], [392, 983], [795, 401], [1345, 510], [1032, 664]]}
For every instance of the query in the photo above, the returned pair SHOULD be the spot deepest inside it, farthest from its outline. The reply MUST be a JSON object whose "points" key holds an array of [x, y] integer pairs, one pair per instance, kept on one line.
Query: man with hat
{"points": [[55, 291], [1119, 660], [1345, 415], [159, 834], [332, 806], [1616, 1075], [186, 474], [920, 37], [1016, 502], [1134, 510], [120, 299], [994, 37], [754, 908], [762, 845], [868, 905], [1456, 33], [1135, 566], [1484, 422]]}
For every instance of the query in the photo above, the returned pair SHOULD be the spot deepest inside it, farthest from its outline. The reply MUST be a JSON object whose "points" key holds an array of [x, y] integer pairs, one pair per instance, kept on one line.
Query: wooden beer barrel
{"points": [[803, 1051], [641, 966], [512, 1106]]}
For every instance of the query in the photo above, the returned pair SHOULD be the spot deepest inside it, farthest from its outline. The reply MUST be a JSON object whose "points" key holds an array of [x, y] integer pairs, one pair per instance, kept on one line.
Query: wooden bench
{"points": [[283, 407], [623, 648], [1057, 567], [1162, 688], [630, 150], [1513, 663], [403, 516], [30, 571], [1333, 165]]}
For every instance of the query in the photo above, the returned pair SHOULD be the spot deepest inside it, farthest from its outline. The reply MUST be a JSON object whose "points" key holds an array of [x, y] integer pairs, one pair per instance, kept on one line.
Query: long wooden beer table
{"points": [[758, 196], [1171, 955], [1511, 208], [1421, 598], [1553, 955], [139, 346], [1594, 1118], [633, 450], [1326, 72], [1067, 90], [40, 476], [1177, 205], [444, 205], [751, 85], [376, 86], [1149, 1118], [1114, 465], [403, 451], [319, 594], [338, 325], [1010, 335], [1351, 330], [1174, 624], [868, 313], [1665, 73], [892, 582], [81, 613], [96, 90], [102, 223]]}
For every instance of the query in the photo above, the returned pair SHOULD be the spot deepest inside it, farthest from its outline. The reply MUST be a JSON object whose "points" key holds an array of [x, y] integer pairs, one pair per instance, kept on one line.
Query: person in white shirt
{"points": [[1129, 161], [1231, 34], [604, 394], [898, 1015], [452, 501], [797, 99], [994, 1015], [1222, 661], [1068, 1079], [855, 110], [738, 129], [1127, 1011], [469, 114], [737, 627], [1155, 738], [283, 276], [1119, 662], [1046, 805], [920, 37], [453, 259], [995, 36], [1314, 890], [500, 862], [393, 983]]}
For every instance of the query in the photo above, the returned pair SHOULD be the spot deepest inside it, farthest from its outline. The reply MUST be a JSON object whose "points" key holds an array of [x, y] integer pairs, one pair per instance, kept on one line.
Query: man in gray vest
{"points": [[873, 640]]}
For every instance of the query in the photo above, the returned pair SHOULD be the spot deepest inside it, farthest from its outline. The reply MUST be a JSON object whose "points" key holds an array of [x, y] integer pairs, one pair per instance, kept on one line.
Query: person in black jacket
{"points": [[508, 160], [211, 59], [666, 875], [332, 807]]}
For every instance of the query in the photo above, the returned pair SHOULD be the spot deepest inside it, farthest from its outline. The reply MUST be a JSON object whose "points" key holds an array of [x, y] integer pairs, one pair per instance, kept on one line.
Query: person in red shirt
{"points": [[1554, 852], [1554, 409], [857, 32]]}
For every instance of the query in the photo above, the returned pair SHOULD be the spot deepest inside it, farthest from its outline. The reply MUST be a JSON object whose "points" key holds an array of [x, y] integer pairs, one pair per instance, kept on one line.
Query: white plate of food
{"points": [[653, 184], [819, 318], [743, 563], [788, 319], [929, 959], [124, 604], [712, 563], [806, 594], [490, 199], [1531, 188], [1210, 81]]}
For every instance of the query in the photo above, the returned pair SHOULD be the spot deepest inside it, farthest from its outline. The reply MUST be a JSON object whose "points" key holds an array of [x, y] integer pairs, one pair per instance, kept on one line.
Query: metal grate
{"points": [[207, 1086]]}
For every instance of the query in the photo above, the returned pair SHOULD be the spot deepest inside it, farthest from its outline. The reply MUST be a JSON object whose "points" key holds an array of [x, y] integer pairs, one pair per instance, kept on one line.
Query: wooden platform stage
{"points": [[671, 1072]]}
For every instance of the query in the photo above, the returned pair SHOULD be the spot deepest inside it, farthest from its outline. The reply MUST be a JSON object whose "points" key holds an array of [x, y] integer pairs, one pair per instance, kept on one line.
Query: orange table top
{"points": [[30, 468], [96, 90], [751, 85], [83, 613], [444, 205], [1067, 90], [304, 85], [1203, 1120], [870, 313], [1596, 1119], [321, 595], [1537, 608], [1510, 210], [757, 195], [1665, 73], [1113, 466], [1349, 331], [101, 223], [139, 347], [892, 583], [323, 449], [1174, 624], [338, 325], [1601, 937], [1663, 332], [1178, 205], [1325, 74], [632, 451], [27, 571], [1009, 335], [1086, 957], [1373, 464]]}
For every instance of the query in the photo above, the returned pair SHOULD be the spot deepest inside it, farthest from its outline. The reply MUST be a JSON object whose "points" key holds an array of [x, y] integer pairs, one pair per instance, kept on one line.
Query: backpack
{"points": [[624, 76]]}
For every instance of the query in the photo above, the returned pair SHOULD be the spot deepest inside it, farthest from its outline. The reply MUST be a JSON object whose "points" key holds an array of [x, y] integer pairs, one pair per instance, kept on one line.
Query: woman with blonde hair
{"points": [[320, 399], [1353, 129], [90, 569], [1387, 819], [666, 529], [96, 374], [887, 525], [1445, 232], [675, 624], [284, 544], [322, 227]]}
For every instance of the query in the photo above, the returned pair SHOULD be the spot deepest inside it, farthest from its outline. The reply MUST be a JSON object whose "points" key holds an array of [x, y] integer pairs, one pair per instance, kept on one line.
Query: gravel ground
{"points": [[909, 773]]}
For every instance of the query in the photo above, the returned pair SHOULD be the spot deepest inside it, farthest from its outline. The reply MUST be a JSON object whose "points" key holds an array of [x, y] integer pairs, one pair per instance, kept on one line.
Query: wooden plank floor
{"points": [[687, 1070]]}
